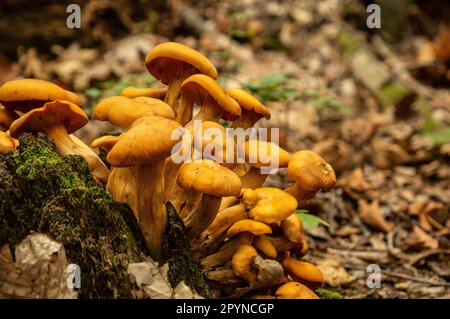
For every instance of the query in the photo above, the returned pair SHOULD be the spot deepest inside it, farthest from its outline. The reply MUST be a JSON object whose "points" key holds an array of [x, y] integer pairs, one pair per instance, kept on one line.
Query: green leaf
{"points": [[309, 220], [328, 294], [272, 87], [441, 136]]}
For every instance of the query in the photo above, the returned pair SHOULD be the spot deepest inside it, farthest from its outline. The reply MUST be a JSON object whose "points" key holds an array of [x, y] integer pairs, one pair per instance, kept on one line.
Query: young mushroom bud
{"points": [[212, 180], [242, 263], [292, 229], [248, 225], [226, 251], [7, 143], [304, 272], [265, 245], [123, 111], [133, 92], [146, 145], [26, 94], [295, 290], [274, 206], [252, 109], [172, 63], [57, 120], [311, 173]]}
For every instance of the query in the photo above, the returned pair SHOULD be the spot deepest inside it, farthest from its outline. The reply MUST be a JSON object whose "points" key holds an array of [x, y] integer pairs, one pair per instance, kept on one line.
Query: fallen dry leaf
{"points": [[335, 275], [356, 181], [371, 215], [39, 269], [420, 239]]}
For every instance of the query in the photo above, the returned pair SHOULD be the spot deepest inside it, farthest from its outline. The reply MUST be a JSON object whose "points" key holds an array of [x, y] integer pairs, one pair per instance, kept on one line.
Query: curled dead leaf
{"points": [[371, 215], [335, 275]]}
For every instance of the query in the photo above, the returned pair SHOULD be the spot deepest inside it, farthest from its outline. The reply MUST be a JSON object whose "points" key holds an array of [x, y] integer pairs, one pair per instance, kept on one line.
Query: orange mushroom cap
{"points": [[242, 261], [123, 111], [26, 94], [259, 154], [303, 271], [147, 141], [165, 59], [295, 290], [51, 115], [274, 206], [311, 171], [208, 177], [248, 102], [202, 89], [248, 225], [158, 107], [264, 244]]}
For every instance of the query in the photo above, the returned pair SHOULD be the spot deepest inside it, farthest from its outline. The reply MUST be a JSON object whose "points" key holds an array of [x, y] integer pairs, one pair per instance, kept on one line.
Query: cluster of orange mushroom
{"points": [[231, 219]]}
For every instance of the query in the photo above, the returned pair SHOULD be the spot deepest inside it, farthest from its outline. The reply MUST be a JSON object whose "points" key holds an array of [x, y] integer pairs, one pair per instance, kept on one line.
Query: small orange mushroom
{"points": [[242, 263], [304, 272], [311, 173], [7, 143], [295, 290], [57, 120]]}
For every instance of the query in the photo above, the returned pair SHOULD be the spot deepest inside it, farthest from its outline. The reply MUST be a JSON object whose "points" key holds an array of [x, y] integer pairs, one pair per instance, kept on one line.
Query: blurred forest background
{"points": [[375, 103]]}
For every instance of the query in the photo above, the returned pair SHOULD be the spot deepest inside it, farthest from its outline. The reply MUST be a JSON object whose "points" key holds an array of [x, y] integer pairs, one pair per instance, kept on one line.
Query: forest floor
{"points": [[390, 208]]}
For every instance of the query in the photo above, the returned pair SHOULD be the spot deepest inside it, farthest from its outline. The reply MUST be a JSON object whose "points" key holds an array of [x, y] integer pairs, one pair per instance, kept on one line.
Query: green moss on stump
{"points": [[44, 192]]}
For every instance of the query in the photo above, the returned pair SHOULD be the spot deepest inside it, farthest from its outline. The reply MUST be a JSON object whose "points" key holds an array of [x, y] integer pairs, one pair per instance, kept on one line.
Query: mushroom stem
{"points": [[208, 112], [253, 178], [187, 201], [213, 235], [71, 145], [302, 195], [228, 202], [150, 206], [122, 187], [226, 252], [171, 191], [173, 91], [246, 120], [200, 218], [184, 111]]}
